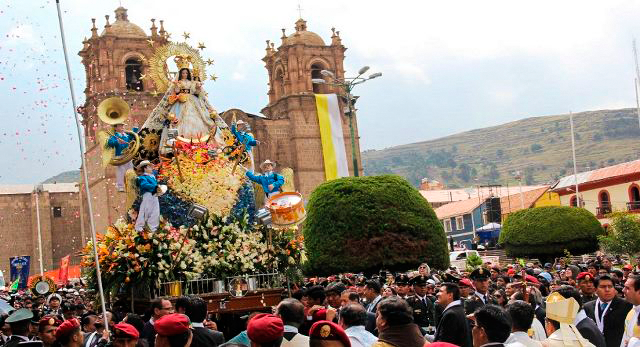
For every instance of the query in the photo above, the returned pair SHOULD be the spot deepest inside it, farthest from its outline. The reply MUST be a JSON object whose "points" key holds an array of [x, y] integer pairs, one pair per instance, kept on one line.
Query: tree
{"points": [[367, 223], [623, 235], [546, 232], [464, 172], [536, 148], [499, 153]]}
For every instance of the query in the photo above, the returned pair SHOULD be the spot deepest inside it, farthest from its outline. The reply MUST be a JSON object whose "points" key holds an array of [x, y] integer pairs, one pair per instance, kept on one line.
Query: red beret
{"points": [[125, 330], [627, 267], [67, 327], [172, 324], [465, 282], [442, 344], [511, 271], [585, 275], [265, 328], [320, 315], [49, 320], [330, 331], [532, 279]]}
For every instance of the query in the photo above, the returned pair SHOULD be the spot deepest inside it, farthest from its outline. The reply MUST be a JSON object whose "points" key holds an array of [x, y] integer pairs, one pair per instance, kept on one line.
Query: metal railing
{"points": [[633, 206], [219, 286], [603, 210]]}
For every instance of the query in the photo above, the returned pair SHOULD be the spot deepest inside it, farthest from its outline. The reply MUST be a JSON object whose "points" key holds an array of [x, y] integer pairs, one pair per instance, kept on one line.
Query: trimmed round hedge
{"points": [[370, 223], [545, 232]]}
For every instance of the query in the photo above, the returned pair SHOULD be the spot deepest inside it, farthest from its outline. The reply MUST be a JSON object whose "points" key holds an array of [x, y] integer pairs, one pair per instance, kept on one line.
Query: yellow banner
{"points": [[328, 151]]}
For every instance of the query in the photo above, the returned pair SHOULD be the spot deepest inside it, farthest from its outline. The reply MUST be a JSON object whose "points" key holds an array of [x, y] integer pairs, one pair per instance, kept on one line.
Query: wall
{"points": [[548, 199], [618, 194]]}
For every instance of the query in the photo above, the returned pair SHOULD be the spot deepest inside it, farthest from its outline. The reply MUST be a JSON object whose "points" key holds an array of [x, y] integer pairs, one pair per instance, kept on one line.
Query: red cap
{"points": [[531, 279], [465, 282], [49, 320], [442, 344], [125, 330], [172, 324], [511, 272], [627, 267], [320, 314], [265, 328], [328, 331], [584, 276], [67, 327]]}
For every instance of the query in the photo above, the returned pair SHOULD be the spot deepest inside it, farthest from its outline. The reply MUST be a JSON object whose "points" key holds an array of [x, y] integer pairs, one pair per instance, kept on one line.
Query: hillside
{"points": [[65, 177], [539, 147]]}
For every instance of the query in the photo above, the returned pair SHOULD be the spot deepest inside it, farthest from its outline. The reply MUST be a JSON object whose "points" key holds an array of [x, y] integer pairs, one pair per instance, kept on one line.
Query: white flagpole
{"points": [[84, 167], [37, 191], [635, 59], [575, 166]]}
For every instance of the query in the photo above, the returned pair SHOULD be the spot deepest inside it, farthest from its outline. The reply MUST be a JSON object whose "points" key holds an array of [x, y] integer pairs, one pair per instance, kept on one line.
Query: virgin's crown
{"points": [[182, 61]]}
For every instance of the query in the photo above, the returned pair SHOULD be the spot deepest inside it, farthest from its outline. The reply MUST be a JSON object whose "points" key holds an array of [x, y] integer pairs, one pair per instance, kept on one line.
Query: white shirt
{"points": [[629, 324], [290, 329], [360, 337], [197, 325], [522, 338]]}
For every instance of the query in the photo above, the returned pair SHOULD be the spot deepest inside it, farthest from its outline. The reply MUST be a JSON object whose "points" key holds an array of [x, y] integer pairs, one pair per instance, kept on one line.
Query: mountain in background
{"points": [[65, 177], [538, 147]]}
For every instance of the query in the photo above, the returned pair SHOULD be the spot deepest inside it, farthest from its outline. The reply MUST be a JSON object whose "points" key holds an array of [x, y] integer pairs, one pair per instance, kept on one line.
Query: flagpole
{"points": [[575, 166], [39, 230], [635, 59], [84, 167]]}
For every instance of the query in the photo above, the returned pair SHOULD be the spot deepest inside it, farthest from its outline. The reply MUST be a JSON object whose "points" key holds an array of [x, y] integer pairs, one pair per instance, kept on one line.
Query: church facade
{"points": [[116, 61]]}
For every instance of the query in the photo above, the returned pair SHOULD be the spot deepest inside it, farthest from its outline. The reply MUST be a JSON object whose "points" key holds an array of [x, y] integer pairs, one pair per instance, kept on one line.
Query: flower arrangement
{"points": [[216, 248]]}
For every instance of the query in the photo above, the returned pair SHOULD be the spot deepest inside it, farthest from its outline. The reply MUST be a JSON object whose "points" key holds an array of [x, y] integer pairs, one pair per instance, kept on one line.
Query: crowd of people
{"points": [[532, 305]]}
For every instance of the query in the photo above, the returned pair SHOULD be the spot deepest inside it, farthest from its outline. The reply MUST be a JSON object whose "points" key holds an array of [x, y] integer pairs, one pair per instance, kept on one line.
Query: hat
{"points": [[172, 324], [125, 330], [546, 276], [532, 279], [265, 328], [465, 282], [143, 164], [584, 276], [442, 344], [67, 327], [19, 316], [328, 331], [49, 320], [241, 122], [419, 280], [561, 309], [511, 272], [52, 296], [402, 279], [267, 162], [548, 265], [627, 267], [479, 274]]}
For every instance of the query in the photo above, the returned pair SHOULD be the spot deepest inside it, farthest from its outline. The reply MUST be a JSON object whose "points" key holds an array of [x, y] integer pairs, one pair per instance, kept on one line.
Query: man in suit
{"points": [[586, 327], [423, 308], [291, 311], [160, 308], [196, 310], [453, 326], [608, 311], [372, 292], [491, 326]]}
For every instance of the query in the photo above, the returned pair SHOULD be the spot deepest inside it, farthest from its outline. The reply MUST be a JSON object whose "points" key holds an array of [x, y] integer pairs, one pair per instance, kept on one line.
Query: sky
{"points": [[448, 66]]}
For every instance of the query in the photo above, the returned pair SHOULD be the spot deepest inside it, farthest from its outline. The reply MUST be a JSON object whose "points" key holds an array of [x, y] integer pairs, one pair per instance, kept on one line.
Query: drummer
{"points": [[270, 181], [147, 184]]}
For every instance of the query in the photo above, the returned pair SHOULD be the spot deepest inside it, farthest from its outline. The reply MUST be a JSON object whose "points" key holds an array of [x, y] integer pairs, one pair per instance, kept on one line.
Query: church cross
{"points": [[299, 10]]}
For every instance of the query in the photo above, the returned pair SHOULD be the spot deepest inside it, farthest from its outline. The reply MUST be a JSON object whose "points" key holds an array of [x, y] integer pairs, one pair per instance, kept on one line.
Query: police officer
{"points": [[20, 323], [481, 297], [423, 308], [402, 285]]}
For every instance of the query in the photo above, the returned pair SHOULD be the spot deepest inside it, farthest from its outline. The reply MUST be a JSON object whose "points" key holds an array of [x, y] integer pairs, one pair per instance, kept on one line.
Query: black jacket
{"points": [[589, 330], [203, 337], [149, 334], [613, 319], [541, 314], [453, 327]]}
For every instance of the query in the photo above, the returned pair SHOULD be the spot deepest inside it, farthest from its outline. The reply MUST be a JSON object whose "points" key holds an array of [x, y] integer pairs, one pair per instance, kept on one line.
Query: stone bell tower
{"points": [[115, 62], [291, 135]]}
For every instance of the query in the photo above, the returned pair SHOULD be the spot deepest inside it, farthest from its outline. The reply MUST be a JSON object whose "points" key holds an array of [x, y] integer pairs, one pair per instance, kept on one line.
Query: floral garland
{"points": [[216, 248]]}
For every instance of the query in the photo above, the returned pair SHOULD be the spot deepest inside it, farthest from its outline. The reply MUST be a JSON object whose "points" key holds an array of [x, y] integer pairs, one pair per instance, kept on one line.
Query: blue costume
{"points": [[147, 184], [244, 138], [266, 179], [113, 142], [150, 206]]}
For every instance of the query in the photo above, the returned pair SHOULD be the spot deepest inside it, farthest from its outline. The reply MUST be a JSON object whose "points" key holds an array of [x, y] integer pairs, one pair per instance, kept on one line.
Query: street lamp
{"points": [[347, 85]]}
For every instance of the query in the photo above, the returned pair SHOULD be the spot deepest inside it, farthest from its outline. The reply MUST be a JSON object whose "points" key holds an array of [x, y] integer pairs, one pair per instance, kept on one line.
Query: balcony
{"points": [[603, 210], [633, 206]]}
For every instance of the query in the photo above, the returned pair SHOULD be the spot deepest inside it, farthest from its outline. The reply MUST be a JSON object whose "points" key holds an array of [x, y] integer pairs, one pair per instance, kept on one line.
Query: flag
{"points": [[19, 267], [63, 272], [331, 136], [14, 285]]}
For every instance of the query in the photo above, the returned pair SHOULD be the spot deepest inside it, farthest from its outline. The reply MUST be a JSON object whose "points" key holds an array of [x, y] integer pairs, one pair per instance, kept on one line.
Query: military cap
{"points": [[328, 331], [419, 280], [172, 324], [265, 328], [19, 316], [67, 327], [465, 283], [49, 320], [126, 331], [584, 276], [402, 279], [451, 278], [479, 274]]}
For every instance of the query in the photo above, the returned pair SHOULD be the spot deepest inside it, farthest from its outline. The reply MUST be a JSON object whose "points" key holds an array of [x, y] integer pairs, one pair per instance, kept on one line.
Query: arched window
{"points": [[278, 82], [634, 198], [315, 73], [604, 203], [573, 202], [133, 72]]}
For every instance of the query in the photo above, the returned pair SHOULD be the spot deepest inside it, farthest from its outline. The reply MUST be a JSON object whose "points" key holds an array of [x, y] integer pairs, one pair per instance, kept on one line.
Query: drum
{"points": [[287, 209]]}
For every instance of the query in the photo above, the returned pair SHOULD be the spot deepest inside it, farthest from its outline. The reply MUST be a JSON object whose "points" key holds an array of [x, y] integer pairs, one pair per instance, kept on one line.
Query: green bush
{"points": [[545, 232], [370, 223]]}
